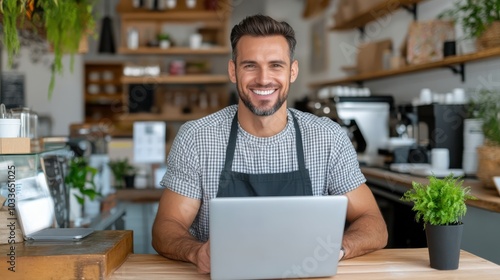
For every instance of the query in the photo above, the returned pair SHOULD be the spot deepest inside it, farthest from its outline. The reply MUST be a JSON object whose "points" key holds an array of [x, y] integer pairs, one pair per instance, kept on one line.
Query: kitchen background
{"points": [[66, 105]]}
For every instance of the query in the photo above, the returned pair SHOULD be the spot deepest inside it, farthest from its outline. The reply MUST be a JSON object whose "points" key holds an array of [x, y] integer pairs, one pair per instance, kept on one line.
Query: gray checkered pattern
{"points": [[198, 153]]}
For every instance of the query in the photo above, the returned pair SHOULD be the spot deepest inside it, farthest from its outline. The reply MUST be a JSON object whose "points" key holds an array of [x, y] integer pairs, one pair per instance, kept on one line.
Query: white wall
{"points": [[65, 106]]}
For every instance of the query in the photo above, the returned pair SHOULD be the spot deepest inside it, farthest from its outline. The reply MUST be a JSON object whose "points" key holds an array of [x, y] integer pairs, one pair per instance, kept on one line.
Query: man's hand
{"points": [[203, 258]]}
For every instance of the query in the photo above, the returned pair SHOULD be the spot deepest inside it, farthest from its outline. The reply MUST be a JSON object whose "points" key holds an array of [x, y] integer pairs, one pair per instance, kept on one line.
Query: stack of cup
{"points": [[473, 138]]}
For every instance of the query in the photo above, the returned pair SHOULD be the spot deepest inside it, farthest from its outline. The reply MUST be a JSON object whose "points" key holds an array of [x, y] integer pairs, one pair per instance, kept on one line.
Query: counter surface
{"points": [[487, 199], [382, 264]]}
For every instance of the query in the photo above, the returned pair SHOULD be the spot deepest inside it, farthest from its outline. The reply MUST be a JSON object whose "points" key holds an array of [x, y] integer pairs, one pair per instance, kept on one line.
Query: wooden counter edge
{"points": [[487, 199]]}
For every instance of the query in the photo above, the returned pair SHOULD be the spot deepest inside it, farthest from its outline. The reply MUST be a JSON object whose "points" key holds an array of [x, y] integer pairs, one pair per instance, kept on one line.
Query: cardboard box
{"points": [[16, 145], [370, 56]]}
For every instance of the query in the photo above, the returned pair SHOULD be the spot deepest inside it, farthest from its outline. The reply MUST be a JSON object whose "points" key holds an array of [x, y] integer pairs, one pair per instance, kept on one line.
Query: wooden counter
{"points": [[382, 264], [487, 199], [94, 257]]}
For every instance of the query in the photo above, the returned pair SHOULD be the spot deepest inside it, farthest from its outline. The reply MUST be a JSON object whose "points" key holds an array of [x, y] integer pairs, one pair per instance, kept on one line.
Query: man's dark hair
{"points": [[261, 26]]}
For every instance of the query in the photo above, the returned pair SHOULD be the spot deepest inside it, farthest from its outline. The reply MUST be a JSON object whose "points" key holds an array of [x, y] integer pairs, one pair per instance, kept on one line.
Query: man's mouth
{"points": [[263, 92]]}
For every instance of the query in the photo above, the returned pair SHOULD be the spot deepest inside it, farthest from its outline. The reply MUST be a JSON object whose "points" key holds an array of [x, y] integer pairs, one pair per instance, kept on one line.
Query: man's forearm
{"points": [[367, 234], [174, 242]]}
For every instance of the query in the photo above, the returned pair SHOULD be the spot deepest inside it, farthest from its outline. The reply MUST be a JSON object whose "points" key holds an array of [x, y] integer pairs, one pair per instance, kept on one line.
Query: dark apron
{"points": [[235, 184]]}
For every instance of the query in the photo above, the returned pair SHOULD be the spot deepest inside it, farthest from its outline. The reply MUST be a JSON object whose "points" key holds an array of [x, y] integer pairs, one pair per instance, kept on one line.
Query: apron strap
{"points": [[231, 145]]}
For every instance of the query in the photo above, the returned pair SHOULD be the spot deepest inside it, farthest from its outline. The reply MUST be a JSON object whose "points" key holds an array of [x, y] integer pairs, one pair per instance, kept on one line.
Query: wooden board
{"points": [[94, 257]]}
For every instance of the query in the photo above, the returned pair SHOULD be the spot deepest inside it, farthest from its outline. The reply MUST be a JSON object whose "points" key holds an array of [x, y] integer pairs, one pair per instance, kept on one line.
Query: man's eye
{"points": [[249, 66], [277, 65]]}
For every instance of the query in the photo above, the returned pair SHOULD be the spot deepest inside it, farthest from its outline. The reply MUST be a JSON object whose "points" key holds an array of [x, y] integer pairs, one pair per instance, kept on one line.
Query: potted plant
{"points": [[164, 40], [123, 172], [62, 23], [479, 19], [485, 106], [80, 176], [440, 205]]}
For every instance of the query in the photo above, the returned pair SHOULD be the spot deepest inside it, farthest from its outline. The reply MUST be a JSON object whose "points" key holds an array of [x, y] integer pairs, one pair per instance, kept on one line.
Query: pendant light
{"points": [[107, 40]]}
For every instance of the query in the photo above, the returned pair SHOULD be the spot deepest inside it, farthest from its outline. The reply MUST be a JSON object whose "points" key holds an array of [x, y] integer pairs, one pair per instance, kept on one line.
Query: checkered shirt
{"points": [[197, 158]]}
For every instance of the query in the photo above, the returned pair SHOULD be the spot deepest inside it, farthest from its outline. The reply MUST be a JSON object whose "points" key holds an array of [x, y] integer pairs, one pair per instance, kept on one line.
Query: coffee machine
{"points": [[368, 120], [441, 126]]}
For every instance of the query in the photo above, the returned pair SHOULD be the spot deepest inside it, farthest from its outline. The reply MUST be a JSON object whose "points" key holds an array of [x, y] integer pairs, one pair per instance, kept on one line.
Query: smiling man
{"points": [[260, 147]]}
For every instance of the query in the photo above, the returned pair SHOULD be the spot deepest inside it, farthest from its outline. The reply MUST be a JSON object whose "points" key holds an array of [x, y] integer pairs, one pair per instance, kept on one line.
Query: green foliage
{"points": [[441, 202], [486, 106], [475, 16], [81, 176], [63, 23], [120, 168], [163, 36]]}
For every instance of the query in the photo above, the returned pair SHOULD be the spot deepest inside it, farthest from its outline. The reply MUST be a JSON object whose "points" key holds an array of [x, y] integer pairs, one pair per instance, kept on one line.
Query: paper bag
{"points": [[426, 40]]}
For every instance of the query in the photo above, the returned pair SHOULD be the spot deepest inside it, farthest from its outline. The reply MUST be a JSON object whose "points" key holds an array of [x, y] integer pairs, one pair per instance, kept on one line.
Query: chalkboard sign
{"points": [[12, 90], [54, 168]]}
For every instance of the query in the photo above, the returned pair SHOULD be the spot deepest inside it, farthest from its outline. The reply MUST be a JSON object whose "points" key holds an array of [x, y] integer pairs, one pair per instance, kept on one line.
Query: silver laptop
{"points": [[35, 212], [276, 237]]}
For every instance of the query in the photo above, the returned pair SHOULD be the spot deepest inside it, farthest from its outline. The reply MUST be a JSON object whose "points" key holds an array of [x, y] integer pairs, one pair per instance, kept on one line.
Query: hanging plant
{"points": [[62, 22]]}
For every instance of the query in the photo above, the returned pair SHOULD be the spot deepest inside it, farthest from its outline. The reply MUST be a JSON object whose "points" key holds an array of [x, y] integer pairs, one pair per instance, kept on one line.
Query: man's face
{"points": [[263, 73]]}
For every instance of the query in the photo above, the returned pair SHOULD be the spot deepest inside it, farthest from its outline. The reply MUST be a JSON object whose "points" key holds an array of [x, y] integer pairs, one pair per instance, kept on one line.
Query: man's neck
{"points": [[266, 126]]}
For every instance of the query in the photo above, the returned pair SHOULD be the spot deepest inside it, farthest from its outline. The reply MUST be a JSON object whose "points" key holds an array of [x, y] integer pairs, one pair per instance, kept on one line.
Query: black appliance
{"points": [[442, 126]]}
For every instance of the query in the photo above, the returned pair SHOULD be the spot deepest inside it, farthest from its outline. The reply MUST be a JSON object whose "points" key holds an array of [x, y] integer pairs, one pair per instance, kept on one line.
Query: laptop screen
{"points": [[276, 237]]}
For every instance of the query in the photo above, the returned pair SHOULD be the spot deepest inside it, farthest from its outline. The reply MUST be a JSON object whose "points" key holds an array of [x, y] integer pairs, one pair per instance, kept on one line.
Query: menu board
{"points": [[12, 90]]}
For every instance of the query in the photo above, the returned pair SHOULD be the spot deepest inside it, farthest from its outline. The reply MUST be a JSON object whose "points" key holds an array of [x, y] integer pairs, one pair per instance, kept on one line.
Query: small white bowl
{"points": [[496, 180]]}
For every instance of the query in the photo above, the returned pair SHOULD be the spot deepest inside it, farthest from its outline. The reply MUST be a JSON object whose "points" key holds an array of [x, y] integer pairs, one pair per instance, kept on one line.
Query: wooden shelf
{"points": [[175, 51], [102, 98], [445, 63], [378, 11], [181, 79], [179, 16], [133, 117]]}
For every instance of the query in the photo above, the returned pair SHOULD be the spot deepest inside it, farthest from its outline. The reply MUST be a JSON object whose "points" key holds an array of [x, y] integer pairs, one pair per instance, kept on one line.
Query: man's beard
{"points": [[262, 112]]}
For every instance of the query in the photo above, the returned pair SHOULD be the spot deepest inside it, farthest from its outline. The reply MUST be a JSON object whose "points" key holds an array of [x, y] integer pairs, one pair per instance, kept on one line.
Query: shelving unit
{"points": [[171, 98], [103, 90], [456, 63]]}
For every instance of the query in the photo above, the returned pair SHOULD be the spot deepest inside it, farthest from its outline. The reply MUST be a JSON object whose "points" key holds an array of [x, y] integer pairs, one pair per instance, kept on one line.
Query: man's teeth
{"points": [[263, 92]]}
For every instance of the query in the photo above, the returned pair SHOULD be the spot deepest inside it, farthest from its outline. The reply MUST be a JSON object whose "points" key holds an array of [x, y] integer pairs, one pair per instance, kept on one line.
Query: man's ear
{"points": [[231, 69], [294, 71]]}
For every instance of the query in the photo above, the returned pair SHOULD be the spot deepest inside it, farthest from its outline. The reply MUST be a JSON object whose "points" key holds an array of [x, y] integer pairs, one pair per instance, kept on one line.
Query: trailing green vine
{"points": [[63, 23]]}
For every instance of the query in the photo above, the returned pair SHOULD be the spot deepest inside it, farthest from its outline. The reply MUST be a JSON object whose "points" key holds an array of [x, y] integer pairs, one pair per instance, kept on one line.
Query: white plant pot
{"points": [[164, 44]]}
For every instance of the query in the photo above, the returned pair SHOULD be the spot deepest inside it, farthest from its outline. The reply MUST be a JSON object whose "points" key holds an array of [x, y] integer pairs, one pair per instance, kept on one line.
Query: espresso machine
{"points": [[441, 126], [367, 122]]}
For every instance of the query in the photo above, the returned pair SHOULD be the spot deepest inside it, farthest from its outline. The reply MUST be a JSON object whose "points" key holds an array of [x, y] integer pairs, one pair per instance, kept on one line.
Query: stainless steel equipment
{"points": [[371, 115]]}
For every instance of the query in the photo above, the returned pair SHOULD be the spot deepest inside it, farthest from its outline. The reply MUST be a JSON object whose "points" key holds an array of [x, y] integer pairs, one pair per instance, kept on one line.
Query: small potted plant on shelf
{"points": [[479, 19], [80, 177], [440, 205], [485, 106], [164, 40], [123, 172]]}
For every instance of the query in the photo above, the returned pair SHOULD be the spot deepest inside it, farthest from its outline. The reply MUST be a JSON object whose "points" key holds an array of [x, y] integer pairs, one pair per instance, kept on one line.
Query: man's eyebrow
{"points": [[270, 62]]}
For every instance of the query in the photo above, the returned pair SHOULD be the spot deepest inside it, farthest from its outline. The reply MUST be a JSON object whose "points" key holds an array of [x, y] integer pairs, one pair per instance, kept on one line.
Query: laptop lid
{"points": [[276, 237], [35, 212]]}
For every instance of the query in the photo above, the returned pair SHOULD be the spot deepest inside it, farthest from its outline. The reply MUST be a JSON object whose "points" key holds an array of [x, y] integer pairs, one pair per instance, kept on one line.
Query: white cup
{"points": [[469, 162], [440, 159], [459, 96], [496, 180], [10, 128], [195, 41], [425, 96]]}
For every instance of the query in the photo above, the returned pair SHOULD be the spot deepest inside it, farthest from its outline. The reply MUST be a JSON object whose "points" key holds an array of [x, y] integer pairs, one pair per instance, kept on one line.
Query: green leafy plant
{"points": [[163, 37], [80, 176], [121, 168], [62, 23], [475, 16], [441, 202], [485, 105]]}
